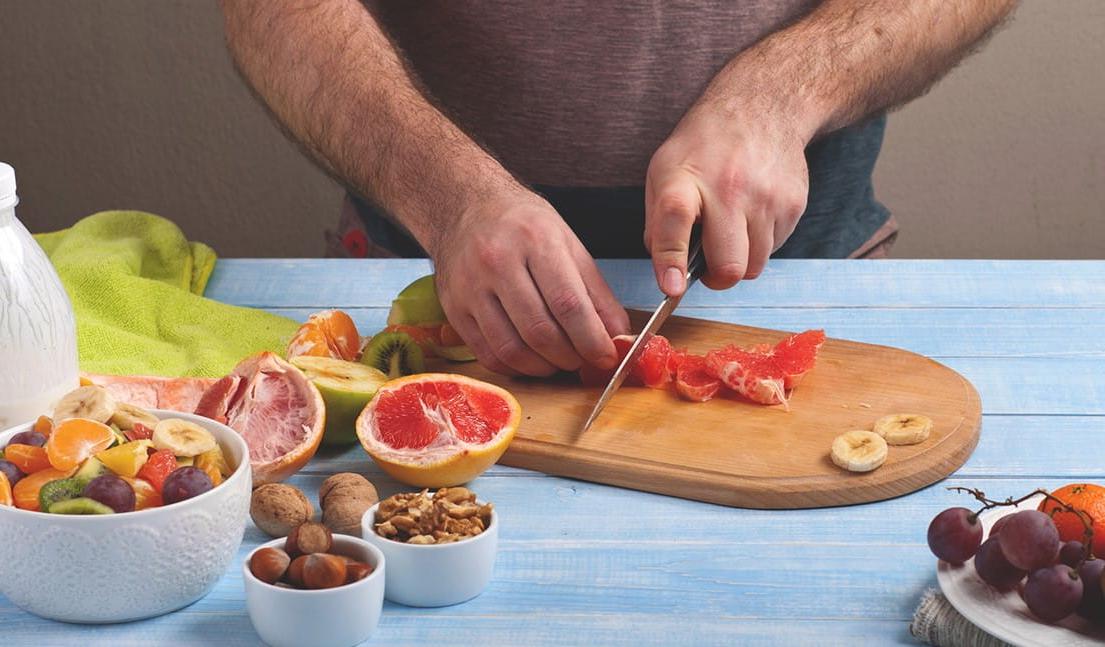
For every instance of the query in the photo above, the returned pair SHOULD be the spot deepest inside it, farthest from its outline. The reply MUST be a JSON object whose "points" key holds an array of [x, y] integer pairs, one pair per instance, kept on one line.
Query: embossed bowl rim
{"points": [[223, 434]]}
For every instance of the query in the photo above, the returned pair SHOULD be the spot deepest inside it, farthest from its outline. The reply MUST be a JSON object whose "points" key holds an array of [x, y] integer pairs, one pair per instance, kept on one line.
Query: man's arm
{"points": [[736, 159], [514, 280]]}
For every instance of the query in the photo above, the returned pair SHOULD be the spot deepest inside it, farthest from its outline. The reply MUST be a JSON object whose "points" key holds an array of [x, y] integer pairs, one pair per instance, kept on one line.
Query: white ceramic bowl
{"points": [[338, 617], [122, 567], [436, 575]]}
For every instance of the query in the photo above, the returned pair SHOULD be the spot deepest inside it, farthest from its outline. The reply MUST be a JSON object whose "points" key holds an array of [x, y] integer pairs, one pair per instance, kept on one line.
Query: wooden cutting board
{"points": [[738, 453]]}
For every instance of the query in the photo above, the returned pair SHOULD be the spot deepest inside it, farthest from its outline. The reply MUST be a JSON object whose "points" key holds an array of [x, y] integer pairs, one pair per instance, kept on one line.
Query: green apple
{"points": [[346, 388], [417, 305]]}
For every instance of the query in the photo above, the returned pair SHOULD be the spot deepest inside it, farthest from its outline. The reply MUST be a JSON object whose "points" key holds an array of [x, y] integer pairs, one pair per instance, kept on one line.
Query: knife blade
{"points": [[696, 267]]}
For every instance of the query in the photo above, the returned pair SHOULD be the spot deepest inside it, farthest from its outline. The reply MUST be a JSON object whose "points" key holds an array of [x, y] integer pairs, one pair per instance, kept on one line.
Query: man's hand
{"points": [[743, 176], [736, 160], [523, 292]]}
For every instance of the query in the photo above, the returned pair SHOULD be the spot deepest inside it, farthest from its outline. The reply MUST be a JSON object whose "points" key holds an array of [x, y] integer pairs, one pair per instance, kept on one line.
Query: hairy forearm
{"points": [[850, 58], [329, 73]]}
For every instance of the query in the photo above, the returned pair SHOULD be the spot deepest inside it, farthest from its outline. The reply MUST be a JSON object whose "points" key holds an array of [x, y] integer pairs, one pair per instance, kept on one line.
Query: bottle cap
{"points": [[7, 186]]}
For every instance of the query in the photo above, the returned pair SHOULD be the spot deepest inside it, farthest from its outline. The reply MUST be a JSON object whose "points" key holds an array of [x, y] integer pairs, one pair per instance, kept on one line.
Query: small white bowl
{"points": [[435, 575], [129, 566], [338, 617]]}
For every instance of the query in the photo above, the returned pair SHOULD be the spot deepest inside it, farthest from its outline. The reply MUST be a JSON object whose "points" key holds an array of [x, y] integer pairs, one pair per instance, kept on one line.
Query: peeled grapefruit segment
{"points": [[275, 408], [650, 369], [693, 381], [763, 373], [438, 429], [329, 333], [173, 393]]}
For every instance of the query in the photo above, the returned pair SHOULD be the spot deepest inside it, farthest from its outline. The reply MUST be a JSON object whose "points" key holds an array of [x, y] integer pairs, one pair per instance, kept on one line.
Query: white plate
{"points": [[1004, 614]]}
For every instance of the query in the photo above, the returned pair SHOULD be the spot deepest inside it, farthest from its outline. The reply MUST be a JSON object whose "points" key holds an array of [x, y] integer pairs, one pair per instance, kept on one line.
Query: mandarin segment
{"points": [[76, 439], [145, 496], [44, 425], [5, 491], [28, 458], [25, 493]]}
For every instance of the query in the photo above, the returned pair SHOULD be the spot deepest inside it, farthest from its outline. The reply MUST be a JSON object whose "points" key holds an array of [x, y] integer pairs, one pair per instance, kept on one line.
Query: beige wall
{"points": [[134, 104]]}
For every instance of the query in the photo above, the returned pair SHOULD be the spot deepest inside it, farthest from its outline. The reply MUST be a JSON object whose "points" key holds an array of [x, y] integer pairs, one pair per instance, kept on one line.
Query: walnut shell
{"points": [[276, 508], [343, 514], [345, 484]]}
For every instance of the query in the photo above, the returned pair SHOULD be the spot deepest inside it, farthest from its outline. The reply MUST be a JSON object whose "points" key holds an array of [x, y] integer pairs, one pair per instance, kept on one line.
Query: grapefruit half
{"points": [[275, 408], [438, 429]]}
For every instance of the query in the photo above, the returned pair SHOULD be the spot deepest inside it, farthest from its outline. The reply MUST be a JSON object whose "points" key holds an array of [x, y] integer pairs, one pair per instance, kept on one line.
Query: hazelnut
{"points": [[294, 576], [357, 571], [323, 571], [276, 508], [269, 564], [308, 538]]}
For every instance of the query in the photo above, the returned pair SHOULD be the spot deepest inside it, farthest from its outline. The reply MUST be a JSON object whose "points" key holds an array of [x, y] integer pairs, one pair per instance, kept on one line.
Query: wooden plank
{"points": [[740, 453], [934, 332], [325, 283]]}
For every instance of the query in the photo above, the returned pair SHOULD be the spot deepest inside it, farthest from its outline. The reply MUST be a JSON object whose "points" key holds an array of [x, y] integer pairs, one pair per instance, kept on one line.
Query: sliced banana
{"points": [[183, 438], [904, 428], [91, 402], [127, 415], [859, 451]]}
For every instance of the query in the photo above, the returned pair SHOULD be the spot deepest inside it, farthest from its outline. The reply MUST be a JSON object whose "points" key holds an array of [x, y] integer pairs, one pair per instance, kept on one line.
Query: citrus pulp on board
{"points": [[1089, 499], [763, 373], [651, 368], [438, 429], [692, 379], [330, 333], [275, 408]]}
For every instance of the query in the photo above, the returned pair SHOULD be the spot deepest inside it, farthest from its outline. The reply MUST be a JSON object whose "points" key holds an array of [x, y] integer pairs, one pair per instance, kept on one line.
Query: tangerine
{"points": [[25, 492], [28, 458], [5, 490], [330, 333], [74, 440], [1089, 500]]}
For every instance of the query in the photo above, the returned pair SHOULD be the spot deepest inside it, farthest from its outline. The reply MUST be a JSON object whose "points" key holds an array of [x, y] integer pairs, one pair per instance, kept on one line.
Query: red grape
{"points": [[1054, 592], [111, 491], [1092, 606], [954, 535], [994, 569], [1029, 540], [1071, 552], [185, 483], [996, 528], [32, 438], [12, 471]]}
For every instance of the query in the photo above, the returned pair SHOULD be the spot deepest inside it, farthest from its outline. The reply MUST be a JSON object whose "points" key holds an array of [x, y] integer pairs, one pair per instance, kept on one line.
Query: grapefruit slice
{"points": [[651, 368], [275, 408], [692, 379], [329, 333], [438, 429], [149, 392], [763, 373]]}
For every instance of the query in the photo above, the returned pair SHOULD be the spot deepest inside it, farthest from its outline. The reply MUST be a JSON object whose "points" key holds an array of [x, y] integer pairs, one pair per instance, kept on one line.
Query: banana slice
{"points": [[91, 402], [904, 428], [183, 438], [127, 415], [859, 451]]}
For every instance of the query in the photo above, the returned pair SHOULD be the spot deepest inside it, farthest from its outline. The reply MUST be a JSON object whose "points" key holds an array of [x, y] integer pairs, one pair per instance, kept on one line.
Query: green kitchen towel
{"points": [[137, 285]]}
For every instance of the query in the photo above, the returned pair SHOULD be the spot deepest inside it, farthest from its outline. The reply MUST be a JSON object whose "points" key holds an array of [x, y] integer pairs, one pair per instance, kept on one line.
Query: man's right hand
{"points": [[522, 291]]}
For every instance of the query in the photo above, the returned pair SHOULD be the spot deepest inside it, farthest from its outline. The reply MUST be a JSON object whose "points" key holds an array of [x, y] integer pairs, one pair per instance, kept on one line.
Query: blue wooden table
{"points": [[589, 564]]}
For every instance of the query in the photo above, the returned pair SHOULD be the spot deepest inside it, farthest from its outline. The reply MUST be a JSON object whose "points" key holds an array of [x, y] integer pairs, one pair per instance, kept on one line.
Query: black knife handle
{"points": [[696, 263]]}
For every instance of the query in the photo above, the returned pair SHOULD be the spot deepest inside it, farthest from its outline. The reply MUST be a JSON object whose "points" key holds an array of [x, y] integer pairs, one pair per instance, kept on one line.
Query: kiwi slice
{"points": [[394, 353], [80, 505], [60, 490], [90, 469]]}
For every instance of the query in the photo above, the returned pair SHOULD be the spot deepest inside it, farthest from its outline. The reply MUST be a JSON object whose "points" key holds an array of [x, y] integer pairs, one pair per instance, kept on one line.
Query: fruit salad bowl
{"points": [[122, 567]]}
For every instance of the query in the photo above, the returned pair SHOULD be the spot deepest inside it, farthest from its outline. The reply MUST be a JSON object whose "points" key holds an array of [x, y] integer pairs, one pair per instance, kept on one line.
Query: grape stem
{"points": [[1087, 525]]}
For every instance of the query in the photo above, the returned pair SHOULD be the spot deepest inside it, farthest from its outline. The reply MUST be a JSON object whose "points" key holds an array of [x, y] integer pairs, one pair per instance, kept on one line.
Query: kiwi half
{"points": [[394, 353], [80, 505], [60, 490]]}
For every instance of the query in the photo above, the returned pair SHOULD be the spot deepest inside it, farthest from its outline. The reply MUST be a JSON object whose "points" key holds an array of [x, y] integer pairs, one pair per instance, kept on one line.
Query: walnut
{"points": [[276, 508], [450, 515], [344, 499]]}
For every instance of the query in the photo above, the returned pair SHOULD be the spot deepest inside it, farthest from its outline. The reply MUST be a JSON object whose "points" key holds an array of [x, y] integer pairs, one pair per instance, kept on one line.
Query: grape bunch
{"points": [[1062, 577]]}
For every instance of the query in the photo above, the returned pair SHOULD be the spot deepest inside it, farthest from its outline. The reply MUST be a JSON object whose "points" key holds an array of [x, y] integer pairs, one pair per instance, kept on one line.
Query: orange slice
{"points": [[74, 440], [438, 429], [25, 492], [28, 458], [330, 333], [145, 496], [5, 490]]}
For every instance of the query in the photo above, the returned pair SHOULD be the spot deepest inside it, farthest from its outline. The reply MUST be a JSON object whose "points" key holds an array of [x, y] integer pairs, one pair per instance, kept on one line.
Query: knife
{"points": [[696, 267]]}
